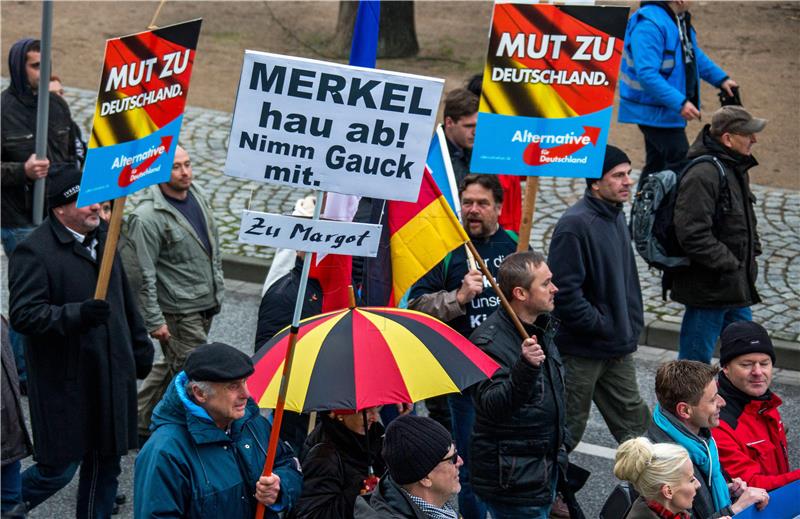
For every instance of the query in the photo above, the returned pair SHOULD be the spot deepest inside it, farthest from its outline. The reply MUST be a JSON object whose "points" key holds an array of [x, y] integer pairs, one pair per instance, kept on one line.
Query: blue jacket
{"points": [[653, 75], [599, 300], [190, 468]]}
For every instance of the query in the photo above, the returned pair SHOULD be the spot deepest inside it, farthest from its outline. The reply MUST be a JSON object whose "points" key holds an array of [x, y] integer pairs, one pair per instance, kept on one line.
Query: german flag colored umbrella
{"points": [[367, 356]]}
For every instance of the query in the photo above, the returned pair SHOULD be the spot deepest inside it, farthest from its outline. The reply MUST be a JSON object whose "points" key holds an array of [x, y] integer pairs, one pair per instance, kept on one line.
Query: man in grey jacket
{"points": [[177, 250]]}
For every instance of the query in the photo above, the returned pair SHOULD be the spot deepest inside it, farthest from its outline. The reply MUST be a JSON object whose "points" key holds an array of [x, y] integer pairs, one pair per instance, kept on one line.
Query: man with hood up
{"points": [[20, 167]]}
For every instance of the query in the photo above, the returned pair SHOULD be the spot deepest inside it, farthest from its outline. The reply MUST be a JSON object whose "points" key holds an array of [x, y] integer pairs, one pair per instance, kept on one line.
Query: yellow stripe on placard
{"points": [[503, 97], [423, 375]]}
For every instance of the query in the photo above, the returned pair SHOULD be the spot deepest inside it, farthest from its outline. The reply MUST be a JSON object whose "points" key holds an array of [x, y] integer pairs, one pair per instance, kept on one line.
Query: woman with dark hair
{"points": [[341, 458]]}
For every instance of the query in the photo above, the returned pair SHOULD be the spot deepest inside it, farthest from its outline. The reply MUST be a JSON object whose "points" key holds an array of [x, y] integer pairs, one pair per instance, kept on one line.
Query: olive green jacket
{"points": [[178, 276]]}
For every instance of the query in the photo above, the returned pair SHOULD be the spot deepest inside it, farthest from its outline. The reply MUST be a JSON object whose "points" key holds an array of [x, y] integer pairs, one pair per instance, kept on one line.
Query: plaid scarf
{"points": [[433, 512]]}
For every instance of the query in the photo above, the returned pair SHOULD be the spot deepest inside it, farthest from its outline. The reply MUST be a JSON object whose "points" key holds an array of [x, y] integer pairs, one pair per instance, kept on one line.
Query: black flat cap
{"points": [[217, 362]]}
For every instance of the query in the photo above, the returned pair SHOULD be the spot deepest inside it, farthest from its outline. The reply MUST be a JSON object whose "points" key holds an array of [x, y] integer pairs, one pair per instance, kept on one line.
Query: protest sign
{"points": [[548, 89], [331, 127], [292, 232], [139, 111]]}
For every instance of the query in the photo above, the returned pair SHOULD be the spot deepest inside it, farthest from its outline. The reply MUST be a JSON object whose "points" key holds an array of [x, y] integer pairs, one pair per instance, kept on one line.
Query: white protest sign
{"points": [[325, 126], [292, 232]]}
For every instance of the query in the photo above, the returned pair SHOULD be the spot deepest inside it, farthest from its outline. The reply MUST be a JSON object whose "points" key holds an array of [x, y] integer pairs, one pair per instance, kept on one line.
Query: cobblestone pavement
{"points": [[205, 135]]}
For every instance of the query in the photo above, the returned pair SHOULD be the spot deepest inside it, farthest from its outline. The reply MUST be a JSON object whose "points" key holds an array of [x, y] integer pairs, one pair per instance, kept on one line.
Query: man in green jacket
{"points": [[177, 253]]}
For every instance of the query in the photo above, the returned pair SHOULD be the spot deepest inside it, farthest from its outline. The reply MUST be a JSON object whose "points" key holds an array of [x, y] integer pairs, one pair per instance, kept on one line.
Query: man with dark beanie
{"points": [[84, 354], [422, 476], [599, 303], [751, 438]]}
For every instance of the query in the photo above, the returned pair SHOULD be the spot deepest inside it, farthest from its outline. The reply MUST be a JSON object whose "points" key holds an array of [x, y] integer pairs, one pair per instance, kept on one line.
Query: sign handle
{"points": [[528, 208], [110, 248]]}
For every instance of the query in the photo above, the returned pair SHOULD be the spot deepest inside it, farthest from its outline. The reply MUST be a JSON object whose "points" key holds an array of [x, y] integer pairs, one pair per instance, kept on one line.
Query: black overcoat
{"points": [[81, 380]]}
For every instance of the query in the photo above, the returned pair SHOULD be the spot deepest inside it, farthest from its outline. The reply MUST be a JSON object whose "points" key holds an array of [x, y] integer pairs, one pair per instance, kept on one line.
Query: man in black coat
{"points": [[599, 304], [518, 439], [84, 354], [716, 227]]}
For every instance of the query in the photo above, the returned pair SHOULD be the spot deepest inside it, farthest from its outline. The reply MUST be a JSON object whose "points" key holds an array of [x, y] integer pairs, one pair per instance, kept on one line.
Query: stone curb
{"points": [[657, 333]]}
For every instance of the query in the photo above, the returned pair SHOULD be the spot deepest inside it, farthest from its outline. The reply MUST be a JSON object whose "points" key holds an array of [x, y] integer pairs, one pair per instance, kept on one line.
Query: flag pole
{"points": [[43, 107], [528, 208], [503, 300]]}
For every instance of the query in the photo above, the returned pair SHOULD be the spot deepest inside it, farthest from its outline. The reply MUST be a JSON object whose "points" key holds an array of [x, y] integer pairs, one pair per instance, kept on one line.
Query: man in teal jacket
{"points": [[209, 444], [660, 80], [176, 252]]}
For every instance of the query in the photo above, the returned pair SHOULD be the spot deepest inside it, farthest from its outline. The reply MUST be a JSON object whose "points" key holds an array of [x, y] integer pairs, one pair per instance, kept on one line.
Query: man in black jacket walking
{"points": [[600, 304], [716, 227], [85, 354], [518, 439]]}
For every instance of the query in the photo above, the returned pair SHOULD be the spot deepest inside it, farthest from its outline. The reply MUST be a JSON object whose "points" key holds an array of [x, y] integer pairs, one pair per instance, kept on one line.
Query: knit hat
{"points": [[735, 119], [413, 446], [217, 362], [63, 185], [743, 337], [613, 158]]}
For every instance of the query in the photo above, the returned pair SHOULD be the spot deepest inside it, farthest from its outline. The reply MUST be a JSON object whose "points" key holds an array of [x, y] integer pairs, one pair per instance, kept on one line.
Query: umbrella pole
{"points": [[503, 300], [277, 417]]}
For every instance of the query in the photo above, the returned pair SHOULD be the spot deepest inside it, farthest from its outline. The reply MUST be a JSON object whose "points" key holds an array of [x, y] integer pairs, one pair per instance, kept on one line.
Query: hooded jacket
{"points": [[652, 78], [751, 438], [335, 464], [18, 138], [190, 468], [520, 421], [599, 300], [721, 242], [388, 501]]}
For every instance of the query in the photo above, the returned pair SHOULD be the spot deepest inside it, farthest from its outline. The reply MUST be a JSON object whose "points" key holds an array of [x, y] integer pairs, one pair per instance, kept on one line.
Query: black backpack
{"points": [[652, 227]]}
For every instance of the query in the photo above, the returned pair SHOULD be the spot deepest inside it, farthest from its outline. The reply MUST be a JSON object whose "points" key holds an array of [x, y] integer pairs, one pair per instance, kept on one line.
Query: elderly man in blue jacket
{"points": [[209, 444], [660, 77]]}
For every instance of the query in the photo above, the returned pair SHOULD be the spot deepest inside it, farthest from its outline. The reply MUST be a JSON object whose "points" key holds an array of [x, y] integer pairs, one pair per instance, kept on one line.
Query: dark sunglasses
{"points": [[452, 459]]}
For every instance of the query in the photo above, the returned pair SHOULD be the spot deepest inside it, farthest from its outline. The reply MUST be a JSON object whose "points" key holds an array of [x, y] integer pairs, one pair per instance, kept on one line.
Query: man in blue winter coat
{"points": [[599, 304], [209, 442], [660, 77]]}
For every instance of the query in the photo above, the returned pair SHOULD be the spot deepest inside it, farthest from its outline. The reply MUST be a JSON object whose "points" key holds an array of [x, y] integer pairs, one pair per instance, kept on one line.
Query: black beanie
{"points": [[217, 362], [743, 337], [614, 157], [63, 185], [413, 446]]}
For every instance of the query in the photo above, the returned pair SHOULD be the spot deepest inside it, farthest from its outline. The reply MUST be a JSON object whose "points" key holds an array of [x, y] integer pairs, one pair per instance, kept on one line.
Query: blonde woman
{"points": [[662, 473]]}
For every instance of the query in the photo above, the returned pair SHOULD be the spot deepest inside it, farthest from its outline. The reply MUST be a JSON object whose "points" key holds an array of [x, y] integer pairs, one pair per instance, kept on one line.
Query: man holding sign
{"points": [[85, 354], [177, 247]]}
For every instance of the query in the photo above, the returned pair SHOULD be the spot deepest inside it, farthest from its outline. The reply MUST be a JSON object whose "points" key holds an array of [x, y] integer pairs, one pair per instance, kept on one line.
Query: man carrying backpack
{"points": [[715, 226]]}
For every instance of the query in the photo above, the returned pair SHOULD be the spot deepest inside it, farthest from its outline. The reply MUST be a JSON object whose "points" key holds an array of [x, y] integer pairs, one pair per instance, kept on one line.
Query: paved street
{"points": [[205, 135], [236, 325]]}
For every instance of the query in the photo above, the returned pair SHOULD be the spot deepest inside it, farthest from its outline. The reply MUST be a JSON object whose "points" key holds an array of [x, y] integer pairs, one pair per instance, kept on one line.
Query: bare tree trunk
{"points": [[397, 36]]}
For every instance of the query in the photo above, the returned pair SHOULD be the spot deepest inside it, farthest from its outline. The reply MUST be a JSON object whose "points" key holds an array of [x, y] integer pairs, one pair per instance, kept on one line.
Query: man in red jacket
{"points": [[751, 438]]}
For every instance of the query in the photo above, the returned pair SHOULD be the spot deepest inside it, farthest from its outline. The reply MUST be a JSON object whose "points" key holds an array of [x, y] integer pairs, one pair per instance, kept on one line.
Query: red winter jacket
{"points": [[751, 439]]}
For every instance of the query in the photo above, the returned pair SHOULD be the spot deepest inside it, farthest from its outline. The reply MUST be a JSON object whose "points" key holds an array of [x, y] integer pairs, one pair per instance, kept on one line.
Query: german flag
{"points": [[421, 234]]}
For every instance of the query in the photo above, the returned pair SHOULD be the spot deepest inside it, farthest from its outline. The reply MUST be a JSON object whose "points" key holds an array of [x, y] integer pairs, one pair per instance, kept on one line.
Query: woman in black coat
{"points": [[338, 457]]}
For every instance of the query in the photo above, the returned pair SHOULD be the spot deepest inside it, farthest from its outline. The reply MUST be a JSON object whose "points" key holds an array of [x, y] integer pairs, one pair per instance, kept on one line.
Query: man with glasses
{"points": [[715, 224], [422, 478], [520, 428]]}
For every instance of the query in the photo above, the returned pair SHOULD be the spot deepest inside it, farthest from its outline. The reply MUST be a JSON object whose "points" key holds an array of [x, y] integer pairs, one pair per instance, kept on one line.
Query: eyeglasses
{"points": [[452, 459]]}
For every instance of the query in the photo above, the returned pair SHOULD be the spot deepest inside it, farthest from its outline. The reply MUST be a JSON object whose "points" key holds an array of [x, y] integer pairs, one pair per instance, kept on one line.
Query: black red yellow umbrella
{"points": [[366, 356]]}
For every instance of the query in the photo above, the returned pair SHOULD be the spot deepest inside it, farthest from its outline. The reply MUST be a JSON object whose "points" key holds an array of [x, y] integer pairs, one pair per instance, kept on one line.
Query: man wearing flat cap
{"points": [[715, 224], [84, 354], [208, 446], [751, 438], [599, 304], [422, 477]]}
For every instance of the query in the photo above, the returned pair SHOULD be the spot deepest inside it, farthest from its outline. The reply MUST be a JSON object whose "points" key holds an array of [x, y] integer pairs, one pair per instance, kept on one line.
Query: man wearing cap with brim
{"points": [[599, 304], [715, 224], [422, 477], [751, 438], [208, 446], [84, 354]]}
